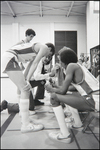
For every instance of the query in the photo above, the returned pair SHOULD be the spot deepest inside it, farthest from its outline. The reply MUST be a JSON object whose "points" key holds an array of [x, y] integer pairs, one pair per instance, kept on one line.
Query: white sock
{"points": [[75, 115], [59, 113], [18, 98], [24, 111]]}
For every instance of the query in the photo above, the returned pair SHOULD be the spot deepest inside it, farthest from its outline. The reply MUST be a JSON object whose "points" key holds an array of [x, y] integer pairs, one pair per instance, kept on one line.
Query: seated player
{"points": [[86, 99]]}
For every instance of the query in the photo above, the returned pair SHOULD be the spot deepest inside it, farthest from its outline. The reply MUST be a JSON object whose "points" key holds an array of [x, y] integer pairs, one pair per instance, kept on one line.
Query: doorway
{"points": [[65, 38]]}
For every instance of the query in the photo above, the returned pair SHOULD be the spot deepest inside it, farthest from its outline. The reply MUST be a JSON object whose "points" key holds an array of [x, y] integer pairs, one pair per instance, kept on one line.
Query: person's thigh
{"points": [[18, 79], [74, 100]]}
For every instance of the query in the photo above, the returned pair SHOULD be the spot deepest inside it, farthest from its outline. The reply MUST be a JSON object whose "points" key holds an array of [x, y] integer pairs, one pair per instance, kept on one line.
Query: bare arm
{"points": [[27, 69], [68, 79], [38, 75], [43, 50]]}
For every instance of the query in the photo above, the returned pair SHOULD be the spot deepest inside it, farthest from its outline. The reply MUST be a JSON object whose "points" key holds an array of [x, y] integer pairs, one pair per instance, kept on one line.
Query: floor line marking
{"points": [[75, 140], [6, 124]]}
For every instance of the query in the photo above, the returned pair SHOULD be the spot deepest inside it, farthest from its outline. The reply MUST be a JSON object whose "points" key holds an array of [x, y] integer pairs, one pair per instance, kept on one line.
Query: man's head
{"points": [[47, 59], [67, 55], [50, 45], [30, 34]]}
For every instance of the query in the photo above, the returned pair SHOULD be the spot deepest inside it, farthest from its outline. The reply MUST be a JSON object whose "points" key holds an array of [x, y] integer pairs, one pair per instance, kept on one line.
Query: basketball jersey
{"points": [[89, 84], [23, 52]]}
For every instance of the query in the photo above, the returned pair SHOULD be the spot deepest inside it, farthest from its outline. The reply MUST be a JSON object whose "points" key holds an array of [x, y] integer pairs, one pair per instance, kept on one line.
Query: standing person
{"points": [[39, 79], [87, 99], [86, 63], [29, 35], [23, 53]]}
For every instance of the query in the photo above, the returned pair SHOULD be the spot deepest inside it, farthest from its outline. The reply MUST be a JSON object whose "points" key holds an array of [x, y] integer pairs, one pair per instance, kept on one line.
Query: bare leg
{"points": [[73, 100], [18, 79]]}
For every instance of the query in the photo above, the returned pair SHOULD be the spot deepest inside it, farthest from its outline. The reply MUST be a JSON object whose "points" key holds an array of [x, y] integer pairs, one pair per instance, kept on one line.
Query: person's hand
{"points": [[28, 83], [52, 82], [49, 88], [54, 70]]}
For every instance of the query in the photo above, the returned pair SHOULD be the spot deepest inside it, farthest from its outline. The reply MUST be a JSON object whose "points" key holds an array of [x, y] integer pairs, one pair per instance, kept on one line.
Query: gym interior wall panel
{"points": [[92, 25]]}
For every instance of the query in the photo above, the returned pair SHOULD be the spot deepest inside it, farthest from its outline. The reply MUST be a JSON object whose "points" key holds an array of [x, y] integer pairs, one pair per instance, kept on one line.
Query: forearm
{"points": [[27, 69], [41, 77], [31, 71], [57, 89]]}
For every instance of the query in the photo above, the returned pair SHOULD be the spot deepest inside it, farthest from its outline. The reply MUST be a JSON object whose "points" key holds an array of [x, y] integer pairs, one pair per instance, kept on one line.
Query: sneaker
{"points": [[59, 137], [31, 128], [71, 126], [37, 102], [32, 112]]}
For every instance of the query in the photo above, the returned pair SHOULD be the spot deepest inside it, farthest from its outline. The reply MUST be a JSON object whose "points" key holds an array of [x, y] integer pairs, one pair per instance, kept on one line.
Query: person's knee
{"points": [[26, 88], [54, 100]]}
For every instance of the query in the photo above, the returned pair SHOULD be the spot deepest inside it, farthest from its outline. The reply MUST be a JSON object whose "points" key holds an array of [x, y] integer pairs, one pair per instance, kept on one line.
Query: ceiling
{"points": [[43, 8]]}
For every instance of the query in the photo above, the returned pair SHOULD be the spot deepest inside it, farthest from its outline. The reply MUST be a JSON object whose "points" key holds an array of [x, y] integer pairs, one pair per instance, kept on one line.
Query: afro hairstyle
{"points": [[67, 55]]}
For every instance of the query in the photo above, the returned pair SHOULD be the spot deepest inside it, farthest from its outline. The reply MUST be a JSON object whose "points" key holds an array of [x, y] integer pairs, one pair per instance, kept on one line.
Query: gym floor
{"points": [[12, 138]]}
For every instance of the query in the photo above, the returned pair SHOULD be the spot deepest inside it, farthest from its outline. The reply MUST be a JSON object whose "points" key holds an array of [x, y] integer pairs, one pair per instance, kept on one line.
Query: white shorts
{"points": [[10, 62]]}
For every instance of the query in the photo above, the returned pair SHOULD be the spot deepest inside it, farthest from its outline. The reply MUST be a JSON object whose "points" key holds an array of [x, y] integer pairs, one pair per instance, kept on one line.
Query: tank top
{"points": [[23, 52], [88, 85]]}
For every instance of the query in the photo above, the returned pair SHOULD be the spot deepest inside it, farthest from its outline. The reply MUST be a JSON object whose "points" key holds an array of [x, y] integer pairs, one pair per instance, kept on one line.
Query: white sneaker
{"points": [[31, 128], [59, 137], [71, 126], [32, 112]]}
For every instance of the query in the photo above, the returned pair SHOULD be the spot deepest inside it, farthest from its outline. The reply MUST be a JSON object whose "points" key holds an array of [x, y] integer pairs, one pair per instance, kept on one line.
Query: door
{"points": [[65, 38]]}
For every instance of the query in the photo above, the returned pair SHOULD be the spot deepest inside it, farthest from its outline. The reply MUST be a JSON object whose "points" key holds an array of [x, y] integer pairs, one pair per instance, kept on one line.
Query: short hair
{"points": [[67, 55], [29, 32], [52, 47]]}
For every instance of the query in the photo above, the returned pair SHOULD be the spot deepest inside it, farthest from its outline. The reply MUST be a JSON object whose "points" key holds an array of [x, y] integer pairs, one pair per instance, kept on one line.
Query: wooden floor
{"points": [[12, 138]]}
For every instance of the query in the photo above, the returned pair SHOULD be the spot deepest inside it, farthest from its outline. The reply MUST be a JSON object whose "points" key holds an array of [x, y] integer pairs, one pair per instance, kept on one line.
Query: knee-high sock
{"points": [[59, 113], [18, 98], [76, 116], [24, 111]]}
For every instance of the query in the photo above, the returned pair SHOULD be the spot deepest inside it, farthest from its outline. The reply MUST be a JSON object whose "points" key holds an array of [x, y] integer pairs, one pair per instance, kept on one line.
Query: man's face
{"points": [[30, 37], [47, 59]]}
